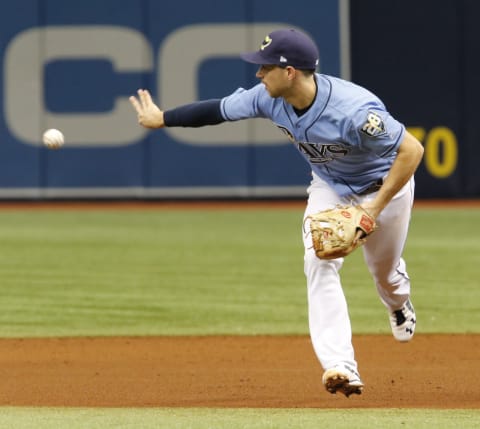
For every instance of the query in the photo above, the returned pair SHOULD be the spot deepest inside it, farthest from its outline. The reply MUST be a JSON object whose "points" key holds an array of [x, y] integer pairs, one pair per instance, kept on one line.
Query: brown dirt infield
{"points": [[432, 371]]}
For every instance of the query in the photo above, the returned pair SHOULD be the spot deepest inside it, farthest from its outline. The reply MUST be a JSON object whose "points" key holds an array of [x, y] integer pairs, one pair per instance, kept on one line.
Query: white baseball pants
{"points": [[329, 321]]}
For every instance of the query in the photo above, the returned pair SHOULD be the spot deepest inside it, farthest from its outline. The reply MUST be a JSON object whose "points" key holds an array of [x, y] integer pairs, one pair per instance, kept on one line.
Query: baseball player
{"points": [[358, 154]]}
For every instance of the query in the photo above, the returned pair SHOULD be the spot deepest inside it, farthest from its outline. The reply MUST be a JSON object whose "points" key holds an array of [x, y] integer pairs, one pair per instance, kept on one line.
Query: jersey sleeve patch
{"points": [[374, 125]]}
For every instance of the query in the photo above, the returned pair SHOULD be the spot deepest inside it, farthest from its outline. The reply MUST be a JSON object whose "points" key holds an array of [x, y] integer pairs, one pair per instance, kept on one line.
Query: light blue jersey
{"points": [[347, 135]]}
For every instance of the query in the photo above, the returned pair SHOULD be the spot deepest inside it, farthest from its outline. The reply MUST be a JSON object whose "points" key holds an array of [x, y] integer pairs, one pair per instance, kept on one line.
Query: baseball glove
{"points": [[334, 230]]}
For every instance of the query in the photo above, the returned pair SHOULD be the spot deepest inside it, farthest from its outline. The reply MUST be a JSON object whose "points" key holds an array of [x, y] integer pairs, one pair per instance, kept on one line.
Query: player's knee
{"points": [[312, 263], [388, 273]]}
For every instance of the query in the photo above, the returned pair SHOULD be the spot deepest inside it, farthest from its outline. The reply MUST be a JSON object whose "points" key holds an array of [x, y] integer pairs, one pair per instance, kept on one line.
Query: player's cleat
{"points": [[343, 379], [403, 322]]}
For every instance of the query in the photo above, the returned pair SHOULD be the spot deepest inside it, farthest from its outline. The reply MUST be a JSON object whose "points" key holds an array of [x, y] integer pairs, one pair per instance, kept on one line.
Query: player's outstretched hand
{"points": [[148, 113]]}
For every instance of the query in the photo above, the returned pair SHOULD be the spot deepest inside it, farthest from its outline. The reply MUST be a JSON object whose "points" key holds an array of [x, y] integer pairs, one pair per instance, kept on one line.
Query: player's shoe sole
{"points": [[403, 322], [342, 379]]}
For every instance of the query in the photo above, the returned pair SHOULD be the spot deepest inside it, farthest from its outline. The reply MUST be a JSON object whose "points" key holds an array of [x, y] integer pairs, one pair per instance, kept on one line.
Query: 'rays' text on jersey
{"points": [[317, 153], [320, 153]]}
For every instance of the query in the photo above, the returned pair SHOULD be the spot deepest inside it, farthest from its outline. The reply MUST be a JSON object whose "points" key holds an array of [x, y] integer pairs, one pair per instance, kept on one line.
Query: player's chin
{"points": [[272, 93], [268, 89]]}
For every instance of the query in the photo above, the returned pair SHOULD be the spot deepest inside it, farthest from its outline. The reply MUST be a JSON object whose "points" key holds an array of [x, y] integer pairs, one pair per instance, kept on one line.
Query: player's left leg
{"points": [[383, 255]]}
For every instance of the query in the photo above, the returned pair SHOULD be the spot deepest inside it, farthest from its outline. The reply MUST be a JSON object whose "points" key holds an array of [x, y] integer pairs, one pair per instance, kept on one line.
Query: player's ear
{"points": [[291, 72]]}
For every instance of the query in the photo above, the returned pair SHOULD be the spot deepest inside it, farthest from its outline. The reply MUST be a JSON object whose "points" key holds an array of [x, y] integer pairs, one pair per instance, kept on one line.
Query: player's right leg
{"points": [[329, 322]]}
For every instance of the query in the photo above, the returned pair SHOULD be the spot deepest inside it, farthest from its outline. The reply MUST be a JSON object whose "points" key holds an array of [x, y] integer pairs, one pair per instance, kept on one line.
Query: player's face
{"points": [[275, 79]]}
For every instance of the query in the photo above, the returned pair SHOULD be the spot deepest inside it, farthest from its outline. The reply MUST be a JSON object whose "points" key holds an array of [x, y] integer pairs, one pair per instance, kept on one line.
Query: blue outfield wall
{"points": [[72, 64], [421, 58]]}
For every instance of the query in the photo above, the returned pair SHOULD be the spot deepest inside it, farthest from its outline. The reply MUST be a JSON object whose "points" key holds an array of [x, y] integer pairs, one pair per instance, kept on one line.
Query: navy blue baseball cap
{"points": [[286, 47]]}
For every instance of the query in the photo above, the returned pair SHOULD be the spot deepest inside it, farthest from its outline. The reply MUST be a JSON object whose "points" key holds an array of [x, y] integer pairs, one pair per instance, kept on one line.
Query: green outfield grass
{"points": [[141, 273], [68, 273], [443, 264], [204, 418]]}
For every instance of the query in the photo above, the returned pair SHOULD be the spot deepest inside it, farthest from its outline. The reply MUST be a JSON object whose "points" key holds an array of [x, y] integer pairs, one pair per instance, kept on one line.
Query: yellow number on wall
{"points": [[441, 139], [441, 150]]}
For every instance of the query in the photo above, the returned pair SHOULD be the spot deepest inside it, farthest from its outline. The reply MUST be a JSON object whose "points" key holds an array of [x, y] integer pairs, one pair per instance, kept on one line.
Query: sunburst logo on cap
{"points": [[266, 43]]}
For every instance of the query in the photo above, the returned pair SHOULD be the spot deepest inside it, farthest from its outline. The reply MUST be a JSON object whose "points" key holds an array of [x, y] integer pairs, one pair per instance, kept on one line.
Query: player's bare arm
{"points": [[410, 153], [148, 113]]}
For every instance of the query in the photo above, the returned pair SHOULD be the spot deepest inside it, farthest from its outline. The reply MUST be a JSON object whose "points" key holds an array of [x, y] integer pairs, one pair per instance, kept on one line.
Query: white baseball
{"points": [[53, 138]]}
